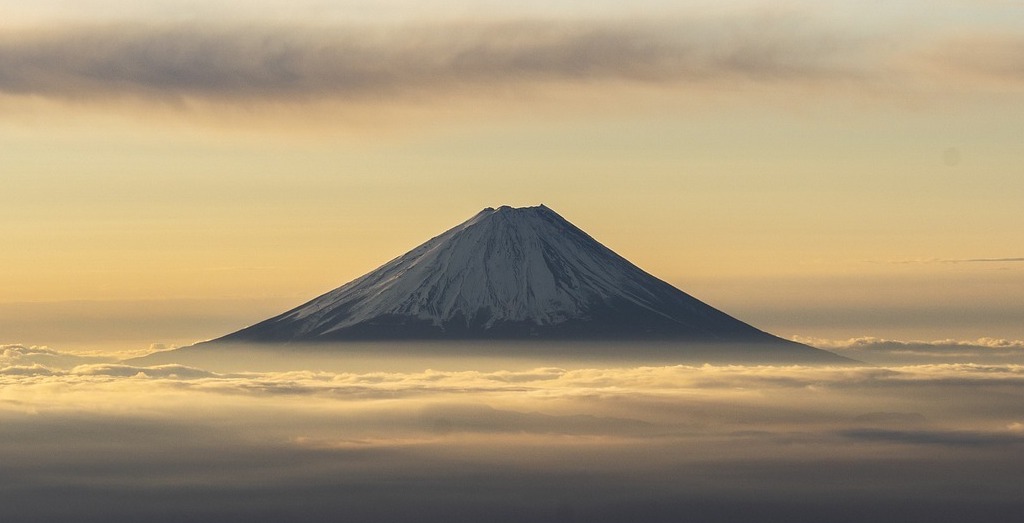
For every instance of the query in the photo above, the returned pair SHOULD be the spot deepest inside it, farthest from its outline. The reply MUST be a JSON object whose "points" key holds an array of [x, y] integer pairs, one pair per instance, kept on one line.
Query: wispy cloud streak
{"points": [[995, 58], [278, 63], [987, 260], [942, 438], [224, 63], [956, 260]]}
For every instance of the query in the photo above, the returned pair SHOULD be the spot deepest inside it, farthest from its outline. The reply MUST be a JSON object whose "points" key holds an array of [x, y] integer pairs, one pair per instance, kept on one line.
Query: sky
{"points": [[844, 174], [173, 171]]}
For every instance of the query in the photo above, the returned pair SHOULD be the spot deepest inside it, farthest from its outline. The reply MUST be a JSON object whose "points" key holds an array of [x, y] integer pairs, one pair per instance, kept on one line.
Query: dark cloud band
{"points": [[300, 63]]}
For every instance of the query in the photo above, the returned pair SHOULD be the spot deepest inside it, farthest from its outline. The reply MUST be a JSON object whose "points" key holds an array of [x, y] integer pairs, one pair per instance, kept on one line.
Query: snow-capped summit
{"points": [[506, 273]]}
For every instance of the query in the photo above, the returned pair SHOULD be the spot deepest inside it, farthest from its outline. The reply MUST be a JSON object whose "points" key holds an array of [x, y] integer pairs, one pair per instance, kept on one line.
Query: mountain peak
{"points": [[511, 208], [508, 210]]}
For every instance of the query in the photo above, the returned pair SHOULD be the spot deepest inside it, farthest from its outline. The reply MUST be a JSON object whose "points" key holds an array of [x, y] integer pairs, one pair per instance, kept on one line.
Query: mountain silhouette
{"points": [[510, 274]]}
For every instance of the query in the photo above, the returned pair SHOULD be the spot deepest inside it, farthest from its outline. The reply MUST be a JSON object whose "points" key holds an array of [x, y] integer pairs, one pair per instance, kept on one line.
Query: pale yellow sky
{"points": [[813, 171]]}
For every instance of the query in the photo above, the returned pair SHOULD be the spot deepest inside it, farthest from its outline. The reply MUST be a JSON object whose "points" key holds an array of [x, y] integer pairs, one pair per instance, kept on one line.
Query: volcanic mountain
{"points": [[509, 273]]}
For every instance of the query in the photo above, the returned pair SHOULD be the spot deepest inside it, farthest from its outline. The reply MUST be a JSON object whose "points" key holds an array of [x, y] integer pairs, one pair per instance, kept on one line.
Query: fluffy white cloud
{"points": [[22, 355]]}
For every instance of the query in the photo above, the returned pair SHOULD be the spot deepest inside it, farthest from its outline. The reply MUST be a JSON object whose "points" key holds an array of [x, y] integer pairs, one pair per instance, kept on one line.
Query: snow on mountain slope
{"points": [[505, 273]]}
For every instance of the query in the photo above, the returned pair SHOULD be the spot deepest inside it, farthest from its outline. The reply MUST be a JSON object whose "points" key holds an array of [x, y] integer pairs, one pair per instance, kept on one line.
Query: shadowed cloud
{"points": [[373, 74], [293, 64], [943, 438]]}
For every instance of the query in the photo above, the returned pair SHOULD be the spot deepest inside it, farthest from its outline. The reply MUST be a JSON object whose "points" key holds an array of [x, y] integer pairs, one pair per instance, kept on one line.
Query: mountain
{"points": [[509, 274]]}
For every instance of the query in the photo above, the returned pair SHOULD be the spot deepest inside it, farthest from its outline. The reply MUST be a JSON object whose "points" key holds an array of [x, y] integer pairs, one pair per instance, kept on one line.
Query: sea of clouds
{"points": [[86, 438]]}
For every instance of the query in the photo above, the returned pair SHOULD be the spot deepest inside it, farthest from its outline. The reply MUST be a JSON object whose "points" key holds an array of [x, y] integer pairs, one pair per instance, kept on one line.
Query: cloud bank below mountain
{"points": [[888, 351], [714, 443]]}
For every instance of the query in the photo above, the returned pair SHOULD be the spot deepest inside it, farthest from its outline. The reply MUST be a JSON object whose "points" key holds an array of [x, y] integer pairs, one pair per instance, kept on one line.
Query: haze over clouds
{"points": [[121, 442]]}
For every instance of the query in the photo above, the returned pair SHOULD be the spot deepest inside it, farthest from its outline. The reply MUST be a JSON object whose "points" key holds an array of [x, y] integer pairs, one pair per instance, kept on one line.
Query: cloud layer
{"points": [[296, 64], [119, 442], [901, 352], [267, 62]]}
